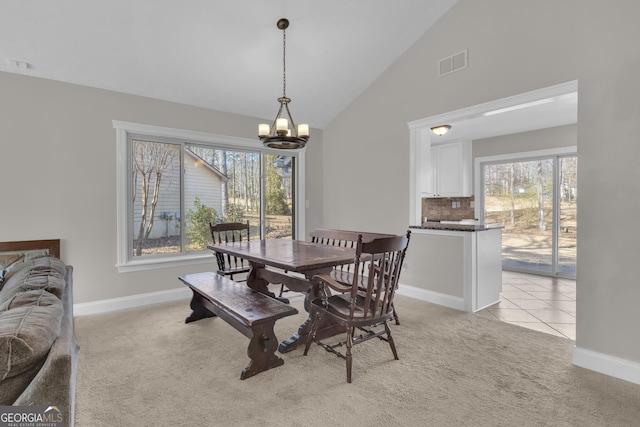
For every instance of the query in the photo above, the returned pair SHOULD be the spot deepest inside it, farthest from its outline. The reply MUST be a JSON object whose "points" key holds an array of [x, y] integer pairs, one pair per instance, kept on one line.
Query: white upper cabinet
{"points": [[446, 170]]}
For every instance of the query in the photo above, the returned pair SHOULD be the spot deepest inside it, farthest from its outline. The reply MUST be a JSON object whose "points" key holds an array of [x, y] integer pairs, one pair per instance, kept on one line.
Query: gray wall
{"points": [[543, 139], [608, 176], [514, 47], [58, 174]]}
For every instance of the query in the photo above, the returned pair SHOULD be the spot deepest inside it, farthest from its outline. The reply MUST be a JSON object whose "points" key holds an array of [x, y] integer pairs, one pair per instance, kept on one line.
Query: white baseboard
{"points": [[432, 297], [608, 365], [133, 301], [141, 300]]}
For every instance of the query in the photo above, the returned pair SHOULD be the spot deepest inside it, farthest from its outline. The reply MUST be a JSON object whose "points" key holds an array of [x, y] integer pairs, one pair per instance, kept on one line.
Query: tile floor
{"points": [[546, 304]]}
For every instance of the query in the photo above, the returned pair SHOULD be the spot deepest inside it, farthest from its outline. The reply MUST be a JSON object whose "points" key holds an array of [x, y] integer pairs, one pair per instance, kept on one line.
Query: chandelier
{"points": [[279, 134]]}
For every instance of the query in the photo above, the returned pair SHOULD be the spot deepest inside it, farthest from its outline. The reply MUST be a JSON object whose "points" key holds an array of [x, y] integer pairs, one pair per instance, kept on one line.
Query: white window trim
{"points": [[123, 129]]}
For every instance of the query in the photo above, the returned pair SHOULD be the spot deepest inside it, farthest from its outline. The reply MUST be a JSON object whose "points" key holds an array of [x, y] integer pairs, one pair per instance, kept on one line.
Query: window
{"points": [[173, 183], [534, 195]]}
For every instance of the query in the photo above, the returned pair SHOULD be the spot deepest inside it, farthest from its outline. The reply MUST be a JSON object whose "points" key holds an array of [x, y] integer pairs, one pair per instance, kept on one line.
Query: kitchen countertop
{"points": [[464, 225]]}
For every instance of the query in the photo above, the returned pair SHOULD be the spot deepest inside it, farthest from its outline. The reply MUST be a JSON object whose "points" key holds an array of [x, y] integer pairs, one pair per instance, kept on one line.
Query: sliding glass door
{"points": [[535, 199], [567, 219]]}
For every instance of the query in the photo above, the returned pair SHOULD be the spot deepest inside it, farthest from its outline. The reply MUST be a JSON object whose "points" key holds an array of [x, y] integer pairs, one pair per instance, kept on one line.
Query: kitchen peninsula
{"points": [[456, 263]]}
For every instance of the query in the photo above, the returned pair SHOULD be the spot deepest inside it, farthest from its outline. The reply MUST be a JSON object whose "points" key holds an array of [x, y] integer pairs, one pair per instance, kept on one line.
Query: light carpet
{"points": [[146, 367]]}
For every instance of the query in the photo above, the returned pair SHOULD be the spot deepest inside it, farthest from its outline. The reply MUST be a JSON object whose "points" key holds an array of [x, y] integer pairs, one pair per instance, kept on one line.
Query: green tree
{"points": [[198, 232], [275, 195], [235, 213]]}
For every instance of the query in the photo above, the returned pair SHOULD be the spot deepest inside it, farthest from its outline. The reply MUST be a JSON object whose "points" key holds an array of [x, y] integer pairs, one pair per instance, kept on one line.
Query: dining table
{"points": [[292, 263]]}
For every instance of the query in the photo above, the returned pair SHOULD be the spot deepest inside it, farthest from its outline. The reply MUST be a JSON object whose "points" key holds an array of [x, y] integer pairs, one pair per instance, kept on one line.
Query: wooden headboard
{"points": [[53, 246]]}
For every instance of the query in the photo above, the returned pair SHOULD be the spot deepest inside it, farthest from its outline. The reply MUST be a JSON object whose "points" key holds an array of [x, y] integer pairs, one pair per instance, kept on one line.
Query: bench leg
{"points": [[199, 310], [262, 350]]}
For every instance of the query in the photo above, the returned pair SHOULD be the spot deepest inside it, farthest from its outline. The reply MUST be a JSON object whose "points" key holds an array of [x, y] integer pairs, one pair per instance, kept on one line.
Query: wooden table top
{"points": [[291, 255]]}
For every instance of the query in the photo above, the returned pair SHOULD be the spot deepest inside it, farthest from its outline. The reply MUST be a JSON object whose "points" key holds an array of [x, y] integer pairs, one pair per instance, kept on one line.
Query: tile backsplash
{"points": [[442, 208]]}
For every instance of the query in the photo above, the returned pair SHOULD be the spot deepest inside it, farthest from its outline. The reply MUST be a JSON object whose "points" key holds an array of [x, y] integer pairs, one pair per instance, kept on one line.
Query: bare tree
{"points": [[512, 192], [151, 161], [222, 165], [541, 222]]}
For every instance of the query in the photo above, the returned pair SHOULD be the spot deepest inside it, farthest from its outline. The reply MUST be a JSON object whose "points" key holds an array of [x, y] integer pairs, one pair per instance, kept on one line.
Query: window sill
{"points": [[166, 262]]}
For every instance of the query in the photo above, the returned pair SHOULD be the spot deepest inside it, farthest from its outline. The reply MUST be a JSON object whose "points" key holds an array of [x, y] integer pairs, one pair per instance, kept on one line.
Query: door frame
{"points": [[421, 137]]}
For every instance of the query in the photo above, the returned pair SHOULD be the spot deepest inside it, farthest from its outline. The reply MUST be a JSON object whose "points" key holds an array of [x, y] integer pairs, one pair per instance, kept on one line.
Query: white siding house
{"points": [[201, 180]]}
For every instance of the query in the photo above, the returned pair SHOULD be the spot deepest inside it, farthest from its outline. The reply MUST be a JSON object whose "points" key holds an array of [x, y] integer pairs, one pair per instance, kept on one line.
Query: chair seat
{"points": [[338, 306], [342, 276], [346, 278]]}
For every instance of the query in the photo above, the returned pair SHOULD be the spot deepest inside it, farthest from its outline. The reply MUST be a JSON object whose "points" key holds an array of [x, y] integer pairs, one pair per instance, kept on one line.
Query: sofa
{"points": [[38, 350]]}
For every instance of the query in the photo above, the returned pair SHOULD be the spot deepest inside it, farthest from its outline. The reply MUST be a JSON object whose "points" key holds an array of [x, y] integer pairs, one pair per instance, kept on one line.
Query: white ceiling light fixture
{"points": [[440, 129], [279, 135]]}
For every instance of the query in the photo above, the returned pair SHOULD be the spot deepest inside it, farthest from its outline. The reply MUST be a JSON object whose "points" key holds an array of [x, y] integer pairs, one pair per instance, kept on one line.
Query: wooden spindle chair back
{"points": [[348, 239], [228, 265]]}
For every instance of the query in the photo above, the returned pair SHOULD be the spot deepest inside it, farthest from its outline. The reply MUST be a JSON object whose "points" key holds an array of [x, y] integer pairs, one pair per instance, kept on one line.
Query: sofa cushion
{"points": [[9, 261], [12, 261], [29, 324], [45, 272]]}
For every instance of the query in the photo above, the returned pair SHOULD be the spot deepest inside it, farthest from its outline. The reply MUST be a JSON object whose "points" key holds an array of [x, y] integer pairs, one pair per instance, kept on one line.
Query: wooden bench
{"points": [[252, 313]]}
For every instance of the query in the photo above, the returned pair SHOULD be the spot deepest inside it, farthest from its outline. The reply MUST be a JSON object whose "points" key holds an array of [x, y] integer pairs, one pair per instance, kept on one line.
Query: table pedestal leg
{"points": [[258, 284], [326, 328]]}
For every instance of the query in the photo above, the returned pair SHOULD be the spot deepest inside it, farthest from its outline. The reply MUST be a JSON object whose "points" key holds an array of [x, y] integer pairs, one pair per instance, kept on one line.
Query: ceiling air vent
{"points": [[452, 63]]}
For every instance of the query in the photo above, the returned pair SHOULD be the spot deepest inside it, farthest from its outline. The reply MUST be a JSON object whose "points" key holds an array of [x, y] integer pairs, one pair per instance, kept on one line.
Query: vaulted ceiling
{"points": [[220, 54], [227, 54]]}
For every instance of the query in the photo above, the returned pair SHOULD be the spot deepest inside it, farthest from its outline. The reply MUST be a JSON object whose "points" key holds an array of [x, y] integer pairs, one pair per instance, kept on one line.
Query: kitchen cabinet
{"points": [[446, 170]]}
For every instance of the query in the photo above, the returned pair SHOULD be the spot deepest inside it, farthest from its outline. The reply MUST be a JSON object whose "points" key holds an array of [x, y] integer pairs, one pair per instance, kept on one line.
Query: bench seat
{"points": [[252, 313]]}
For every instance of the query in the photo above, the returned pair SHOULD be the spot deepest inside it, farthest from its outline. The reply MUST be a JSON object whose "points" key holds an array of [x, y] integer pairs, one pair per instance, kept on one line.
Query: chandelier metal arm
{"points": [[273, 126], [293, 125]]}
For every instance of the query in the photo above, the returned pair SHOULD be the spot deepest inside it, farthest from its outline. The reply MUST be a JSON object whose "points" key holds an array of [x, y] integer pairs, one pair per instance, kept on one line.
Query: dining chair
{"points": [[229, 265], [347, 239], [330, 237], [366, 304]]}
